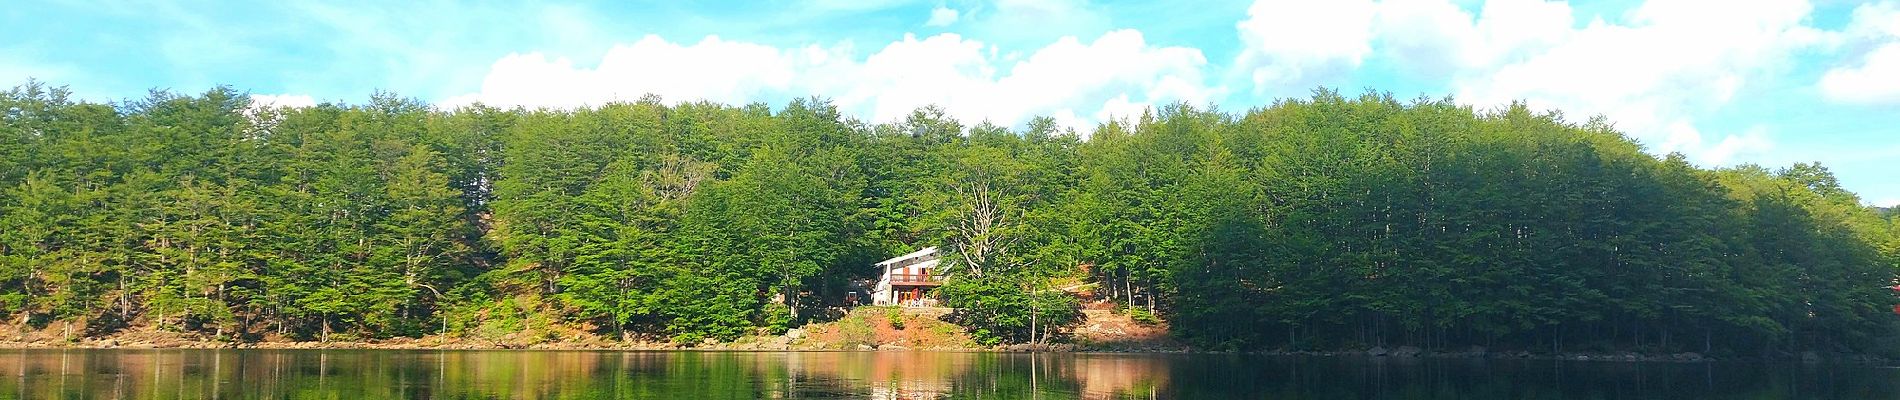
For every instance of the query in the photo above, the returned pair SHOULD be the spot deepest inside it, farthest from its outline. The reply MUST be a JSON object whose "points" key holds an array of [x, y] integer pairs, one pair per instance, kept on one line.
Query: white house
{"points": [[908, 279]]}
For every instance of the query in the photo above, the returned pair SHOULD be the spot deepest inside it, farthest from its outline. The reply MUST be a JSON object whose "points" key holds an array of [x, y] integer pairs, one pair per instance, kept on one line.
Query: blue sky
{"points": [[1770, 82]]}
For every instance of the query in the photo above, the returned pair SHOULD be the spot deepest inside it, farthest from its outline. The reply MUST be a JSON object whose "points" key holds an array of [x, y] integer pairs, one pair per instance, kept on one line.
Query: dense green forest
{"points": [[1326, 222]]}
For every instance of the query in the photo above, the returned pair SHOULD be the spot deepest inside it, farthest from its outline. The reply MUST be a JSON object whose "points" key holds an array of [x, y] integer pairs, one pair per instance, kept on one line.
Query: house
{"points": [[908, 279]]}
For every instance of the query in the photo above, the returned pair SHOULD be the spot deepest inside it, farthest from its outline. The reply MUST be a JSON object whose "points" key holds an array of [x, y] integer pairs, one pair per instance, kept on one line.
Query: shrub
{"points": [[856, 330], [896, 317], [1143, 316], [778, 318]]}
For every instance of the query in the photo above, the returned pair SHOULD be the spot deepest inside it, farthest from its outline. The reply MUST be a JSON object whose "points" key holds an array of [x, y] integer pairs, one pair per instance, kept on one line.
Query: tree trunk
{"points": [[791, 300], [1033, 339], [1128, 285], [125, 303]]}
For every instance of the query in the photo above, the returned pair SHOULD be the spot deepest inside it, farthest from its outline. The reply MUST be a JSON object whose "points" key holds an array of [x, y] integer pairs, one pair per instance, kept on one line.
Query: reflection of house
{"points": [[908, 279]]}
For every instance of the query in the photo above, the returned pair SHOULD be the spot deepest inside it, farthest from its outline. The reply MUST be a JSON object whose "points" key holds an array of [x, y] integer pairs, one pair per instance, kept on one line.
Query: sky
{"points": [[1770, 82]]}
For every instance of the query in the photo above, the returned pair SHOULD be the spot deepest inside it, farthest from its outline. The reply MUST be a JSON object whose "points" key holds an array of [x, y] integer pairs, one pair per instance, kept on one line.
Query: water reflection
{"points": [[377, 374]]}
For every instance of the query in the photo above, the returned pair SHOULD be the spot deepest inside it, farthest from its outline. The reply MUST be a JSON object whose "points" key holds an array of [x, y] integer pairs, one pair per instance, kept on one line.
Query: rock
{"points": [[794, 333], [1376, 351], [1688, 356], [892, 347], [865, 347], [1406, 351], [1810, 357], [1477, 351]]}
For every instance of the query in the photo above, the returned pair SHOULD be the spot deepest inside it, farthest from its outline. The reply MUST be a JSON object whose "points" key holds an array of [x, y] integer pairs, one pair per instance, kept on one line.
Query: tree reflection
{"points": [[385, 374]]}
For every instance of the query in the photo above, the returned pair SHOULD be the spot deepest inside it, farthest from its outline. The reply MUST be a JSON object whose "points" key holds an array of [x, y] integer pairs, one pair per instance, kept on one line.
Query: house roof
{"points": [[915, 254]]}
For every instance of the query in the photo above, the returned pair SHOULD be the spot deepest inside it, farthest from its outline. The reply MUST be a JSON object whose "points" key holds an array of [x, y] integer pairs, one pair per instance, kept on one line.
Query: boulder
{"points": [[1477, 351], [1377, 351], [1406, 351]]}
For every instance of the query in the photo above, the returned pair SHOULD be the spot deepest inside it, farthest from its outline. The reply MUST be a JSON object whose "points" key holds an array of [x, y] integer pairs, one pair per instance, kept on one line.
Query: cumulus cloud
{"points": [[1302, 43], [1875, 79], [1651, 72], [942, 16], [1754, 141], [1668, 63], [1076, 81], [713, 69]]}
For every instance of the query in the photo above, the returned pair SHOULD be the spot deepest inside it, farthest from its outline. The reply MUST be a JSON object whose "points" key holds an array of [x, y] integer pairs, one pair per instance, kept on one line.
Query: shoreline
{"points": [[1064, 348]]}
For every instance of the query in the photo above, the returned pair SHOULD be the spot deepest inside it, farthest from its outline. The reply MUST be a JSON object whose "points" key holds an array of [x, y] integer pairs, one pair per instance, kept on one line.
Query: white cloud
{"points": [[1438, 38], [1651, 72], [713, 69], [282, 100], [1877, 19], [1293, 43], [1875, 79], [1112, 74], [1752, 142], [942, 16], [1670, 62]]}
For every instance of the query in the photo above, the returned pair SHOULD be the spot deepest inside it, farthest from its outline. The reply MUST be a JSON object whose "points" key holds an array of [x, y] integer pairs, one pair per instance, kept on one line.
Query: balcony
{"points": [[916, 279]]}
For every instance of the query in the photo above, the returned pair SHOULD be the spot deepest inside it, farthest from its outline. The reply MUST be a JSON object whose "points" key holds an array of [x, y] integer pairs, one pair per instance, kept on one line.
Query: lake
{"points": [[380, 374]]}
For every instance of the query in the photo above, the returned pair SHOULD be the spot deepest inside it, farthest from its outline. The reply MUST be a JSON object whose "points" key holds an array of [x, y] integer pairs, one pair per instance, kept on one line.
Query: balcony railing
{"points": [[917, 279]]}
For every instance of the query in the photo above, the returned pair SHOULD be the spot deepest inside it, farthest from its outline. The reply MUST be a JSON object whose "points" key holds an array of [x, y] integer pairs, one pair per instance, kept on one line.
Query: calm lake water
{"points": [[380, 374]]}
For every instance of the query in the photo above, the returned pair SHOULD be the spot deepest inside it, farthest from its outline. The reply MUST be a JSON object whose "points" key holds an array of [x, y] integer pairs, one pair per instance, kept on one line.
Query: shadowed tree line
{"points": [[1327, 222]]}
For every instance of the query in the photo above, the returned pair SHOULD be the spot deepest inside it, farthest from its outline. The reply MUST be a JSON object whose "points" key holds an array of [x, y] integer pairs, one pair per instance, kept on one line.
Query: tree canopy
{"points": [[1325, 222]]}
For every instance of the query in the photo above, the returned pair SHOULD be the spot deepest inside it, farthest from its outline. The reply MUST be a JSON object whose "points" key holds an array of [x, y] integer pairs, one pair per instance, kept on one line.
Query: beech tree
{"points": [[1323, 222]]}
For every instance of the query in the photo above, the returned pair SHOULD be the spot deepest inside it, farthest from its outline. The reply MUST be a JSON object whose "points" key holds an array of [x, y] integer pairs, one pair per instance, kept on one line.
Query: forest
{"points": [[1328, 222]]}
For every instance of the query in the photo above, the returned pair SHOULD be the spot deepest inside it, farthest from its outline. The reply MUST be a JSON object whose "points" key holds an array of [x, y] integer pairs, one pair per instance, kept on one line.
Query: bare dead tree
{"points": [[677, 177], [981, 234]]}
